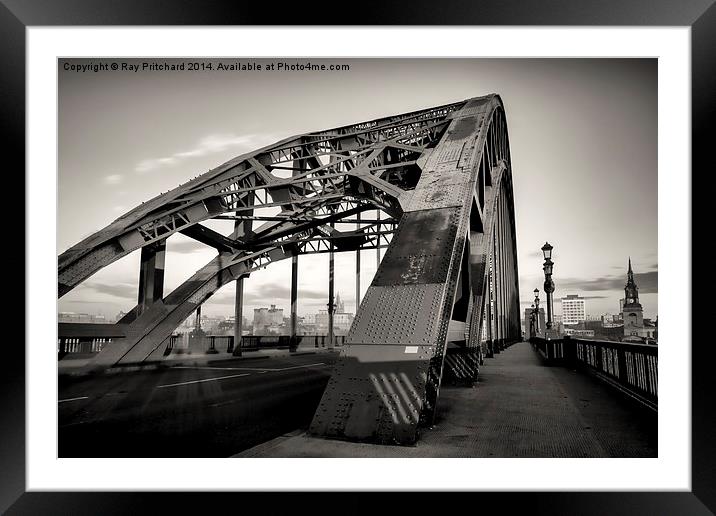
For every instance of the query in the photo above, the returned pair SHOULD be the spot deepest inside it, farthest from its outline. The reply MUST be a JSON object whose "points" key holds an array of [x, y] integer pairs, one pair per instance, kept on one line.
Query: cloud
{"points": [[113, 179], [208, 145], [120, 290], [646, 281], [535, 254], [654, 266], [272, 293], [186, 247]]}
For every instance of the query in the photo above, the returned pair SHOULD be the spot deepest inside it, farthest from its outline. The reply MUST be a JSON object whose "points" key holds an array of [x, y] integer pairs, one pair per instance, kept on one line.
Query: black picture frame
{"points": [[17, 15]]}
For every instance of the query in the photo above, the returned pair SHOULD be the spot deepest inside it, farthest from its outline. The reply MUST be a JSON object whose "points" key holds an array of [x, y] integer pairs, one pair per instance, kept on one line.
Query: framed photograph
{"points": [[321, 258]]}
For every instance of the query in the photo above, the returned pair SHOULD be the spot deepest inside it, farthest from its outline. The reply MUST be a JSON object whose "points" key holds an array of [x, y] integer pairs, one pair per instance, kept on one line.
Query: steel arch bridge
{"points": [[443, 178]]}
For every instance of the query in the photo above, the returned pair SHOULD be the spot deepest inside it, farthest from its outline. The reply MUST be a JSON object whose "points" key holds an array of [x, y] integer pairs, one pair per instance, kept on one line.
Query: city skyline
{"points": [[286, 308], [600, 142]]}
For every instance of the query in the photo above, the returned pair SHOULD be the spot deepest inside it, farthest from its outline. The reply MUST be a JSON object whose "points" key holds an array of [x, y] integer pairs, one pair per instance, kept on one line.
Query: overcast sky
{"points": [[583, 138]]}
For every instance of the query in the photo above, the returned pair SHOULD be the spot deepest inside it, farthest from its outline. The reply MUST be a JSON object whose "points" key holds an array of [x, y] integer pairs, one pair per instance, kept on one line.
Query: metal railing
{"points": [[256, 342], [89, 339], [85, 338], [631, 368], [80, 345]]}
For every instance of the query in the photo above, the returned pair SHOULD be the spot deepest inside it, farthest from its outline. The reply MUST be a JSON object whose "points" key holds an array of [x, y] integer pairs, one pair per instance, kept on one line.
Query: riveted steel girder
{"points": [[443, 177], [373, 161], [442, 262], [315, 179]]}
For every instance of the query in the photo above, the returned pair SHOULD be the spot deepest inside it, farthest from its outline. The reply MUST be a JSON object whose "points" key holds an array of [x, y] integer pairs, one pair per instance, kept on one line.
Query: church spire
{"points": [[631, 291]]}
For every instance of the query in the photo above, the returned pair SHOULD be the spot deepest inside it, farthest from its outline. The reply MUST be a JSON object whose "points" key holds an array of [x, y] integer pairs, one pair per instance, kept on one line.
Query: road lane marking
{"points": [[259, 369], [74, 399], [202, 381], [224, 403], [223, 368], [298, 367]]}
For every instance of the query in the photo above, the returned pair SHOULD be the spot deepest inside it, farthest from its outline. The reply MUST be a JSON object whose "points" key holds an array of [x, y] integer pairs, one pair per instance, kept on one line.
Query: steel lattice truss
{"points": [[452, 261], [442, 179], [314, 179]]}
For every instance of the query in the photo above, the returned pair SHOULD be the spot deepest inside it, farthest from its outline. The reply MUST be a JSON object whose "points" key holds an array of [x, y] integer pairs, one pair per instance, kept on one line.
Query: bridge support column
{"points": [[151, 275], [238, 316], [377, 244], [241, 229], [331, 306], [490, 315], [294, 301], [358, 269]]}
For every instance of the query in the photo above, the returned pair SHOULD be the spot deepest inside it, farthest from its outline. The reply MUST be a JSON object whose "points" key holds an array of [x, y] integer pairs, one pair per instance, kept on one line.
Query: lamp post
{"points": [[548, 283], [536, 311], [533, 333]]}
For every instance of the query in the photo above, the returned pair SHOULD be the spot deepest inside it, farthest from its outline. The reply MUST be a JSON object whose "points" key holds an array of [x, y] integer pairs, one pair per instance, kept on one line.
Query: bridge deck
{"points": [[519, 408]]}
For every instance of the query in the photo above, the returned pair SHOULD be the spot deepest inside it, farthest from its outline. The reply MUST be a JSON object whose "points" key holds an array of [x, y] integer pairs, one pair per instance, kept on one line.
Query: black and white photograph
{"points": [[357, 257], [271, 256]]}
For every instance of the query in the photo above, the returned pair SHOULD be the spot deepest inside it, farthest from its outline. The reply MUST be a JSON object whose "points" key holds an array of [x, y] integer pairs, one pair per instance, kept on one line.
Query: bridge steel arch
{"points": [[443, 177], [314, 179], [452, 259]]}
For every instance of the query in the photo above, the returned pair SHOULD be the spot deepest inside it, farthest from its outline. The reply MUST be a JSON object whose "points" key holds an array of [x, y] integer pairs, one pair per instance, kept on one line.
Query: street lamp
{"points": [[536, 310], [533, 333], [548, 283]]}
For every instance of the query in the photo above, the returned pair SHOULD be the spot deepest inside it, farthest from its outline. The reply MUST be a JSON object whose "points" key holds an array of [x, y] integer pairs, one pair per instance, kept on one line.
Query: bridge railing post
{"points": [[569, 348], [622, 366], [644, 363], [598, 358], [212, 344]]}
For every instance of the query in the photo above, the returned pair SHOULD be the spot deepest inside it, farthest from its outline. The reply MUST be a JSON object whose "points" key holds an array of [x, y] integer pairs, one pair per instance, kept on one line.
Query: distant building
{"points": [[342, 320], [226, 326], [612, 331], [610, 320], [573, 310], [341, 323], [340, 306], [652, 329], [632, 312], [72, 317], [576, 332], [267, 321], [212, 325]]}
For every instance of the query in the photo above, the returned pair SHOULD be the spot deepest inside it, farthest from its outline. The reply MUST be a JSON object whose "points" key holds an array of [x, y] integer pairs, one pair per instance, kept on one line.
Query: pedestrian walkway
{"points": [[519, 408]]}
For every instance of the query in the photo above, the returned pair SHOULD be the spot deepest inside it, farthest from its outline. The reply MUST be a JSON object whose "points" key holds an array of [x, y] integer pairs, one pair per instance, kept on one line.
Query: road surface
{"points": [[213, 410]]}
